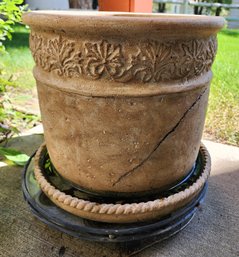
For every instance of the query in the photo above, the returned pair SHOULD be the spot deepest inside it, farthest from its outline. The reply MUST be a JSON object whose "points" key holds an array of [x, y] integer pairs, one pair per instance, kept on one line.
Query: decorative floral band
{"points": [[149, 61]]}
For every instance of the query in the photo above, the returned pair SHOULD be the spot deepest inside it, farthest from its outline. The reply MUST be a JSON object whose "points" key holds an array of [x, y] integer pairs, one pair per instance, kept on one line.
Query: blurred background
{"points": [[226, 8]]}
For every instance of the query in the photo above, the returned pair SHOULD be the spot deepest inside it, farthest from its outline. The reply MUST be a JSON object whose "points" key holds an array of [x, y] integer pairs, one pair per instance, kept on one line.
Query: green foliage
{"points": [[15, 156], [10, 14], [49, 167], [6, 129]]}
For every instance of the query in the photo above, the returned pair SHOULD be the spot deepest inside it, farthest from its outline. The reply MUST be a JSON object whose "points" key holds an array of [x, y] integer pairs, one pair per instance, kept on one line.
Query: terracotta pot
{"points": [[123, 97], [144, 6]]}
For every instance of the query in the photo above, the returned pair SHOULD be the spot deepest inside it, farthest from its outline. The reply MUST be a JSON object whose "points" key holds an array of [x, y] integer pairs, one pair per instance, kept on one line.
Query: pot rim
{"points": [[120, 20]]}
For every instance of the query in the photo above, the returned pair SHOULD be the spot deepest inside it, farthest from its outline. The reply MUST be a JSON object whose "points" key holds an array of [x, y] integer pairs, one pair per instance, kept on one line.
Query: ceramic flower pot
{"points": [[123, 97]]}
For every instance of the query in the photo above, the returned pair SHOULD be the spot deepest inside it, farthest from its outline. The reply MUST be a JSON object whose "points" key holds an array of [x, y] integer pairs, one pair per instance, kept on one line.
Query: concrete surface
{"points": [[214, 232]]}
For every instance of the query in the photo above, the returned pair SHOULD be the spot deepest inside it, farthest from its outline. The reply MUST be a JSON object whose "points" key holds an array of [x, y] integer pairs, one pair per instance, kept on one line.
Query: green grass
{"points": [[222, 123], [18, 62]]}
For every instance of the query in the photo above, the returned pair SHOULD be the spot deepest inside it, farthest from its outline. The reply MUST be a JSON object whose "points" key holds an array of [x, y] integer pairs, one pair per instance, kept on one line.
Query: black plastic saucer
{"points": [[52, 215]]}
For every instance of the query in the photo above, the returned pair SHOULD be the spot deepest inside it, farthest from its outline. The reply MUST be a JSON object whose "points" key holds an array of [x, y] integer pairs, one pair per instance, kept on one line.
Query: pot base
{"points": [[56, 217], [77, 203]]}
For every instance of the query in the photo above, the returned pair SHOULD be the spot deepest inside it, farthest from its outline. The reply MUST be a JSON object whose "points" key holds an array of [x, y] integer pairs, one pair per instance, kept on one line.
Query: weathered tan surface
{"points": [[122, 96], [213, 232]]}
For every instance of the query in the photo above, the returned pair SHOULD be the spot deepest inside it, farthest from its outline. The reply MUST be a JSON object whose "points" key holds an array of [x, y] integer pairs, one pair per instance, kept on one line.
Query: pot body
{"points": [[123, 97]]}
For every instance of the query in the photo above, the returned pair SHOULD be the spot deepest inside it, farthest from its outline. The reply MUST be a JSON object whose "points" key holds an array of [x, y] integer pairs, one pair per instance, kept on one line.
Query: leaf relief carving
{"points": [[149, 61], [57, 55], [103, 59], [154, 62]]}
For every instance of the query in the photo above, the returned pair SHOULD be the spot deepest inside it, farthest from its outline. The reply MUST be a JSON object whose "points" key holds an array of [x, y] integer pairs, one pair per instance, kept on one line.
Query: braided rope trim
{"points": [[121, 209]]}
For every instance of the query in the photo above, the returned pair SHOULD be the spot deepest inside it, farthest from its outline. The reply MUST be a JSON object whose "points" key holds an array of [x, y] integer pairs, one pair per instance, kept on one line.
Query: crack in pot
{"points": [[161, 141]]}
